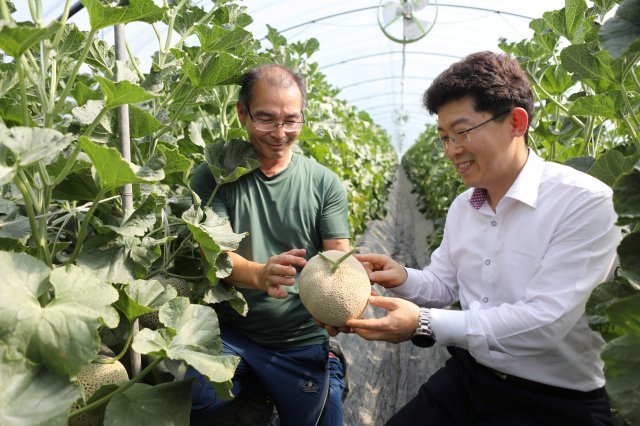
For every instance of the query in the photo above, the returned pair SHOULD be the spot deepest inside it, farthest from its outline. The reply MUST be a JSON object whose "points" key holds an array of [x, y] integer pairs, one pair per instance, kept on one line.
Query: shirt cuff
{"points": [[410, 288], [448, 327]]}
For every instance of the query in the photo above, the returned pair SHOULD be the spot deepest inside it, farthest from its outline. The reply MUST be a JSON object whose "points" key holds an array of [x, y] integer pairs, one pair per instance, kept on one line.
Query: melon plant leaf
{"points": [[609, 166], [31, 395], [223, 293], [122, 92], [162, 405], [621, 34], [141, 123], [6, 173], [113, 170], [144, 296], [32, 144], [623, 374], [596, 106], [221, 68], [591, 67], [629, 253], [17, 39], [175, 161], [193, 336], [626, 197], [142, 218], [214, 235], [107, 259], [217, 38], [23, 280], [88, 112], [189, 16], [228, 161], [102, 16], [624, 313], [60, 342], [568, 21]]}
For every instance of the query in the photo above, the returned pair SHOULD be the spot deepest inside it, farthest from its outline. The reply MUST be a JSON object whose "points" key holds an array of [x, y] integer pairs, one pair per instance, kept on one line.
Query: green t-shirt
{"points": [[297, 208]]}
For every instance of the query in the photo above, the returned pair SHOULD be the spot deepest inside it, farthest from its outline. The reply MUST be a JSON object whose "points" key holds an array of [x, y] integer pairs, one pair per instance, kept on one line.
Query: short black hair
{"points": [[276, 75]]}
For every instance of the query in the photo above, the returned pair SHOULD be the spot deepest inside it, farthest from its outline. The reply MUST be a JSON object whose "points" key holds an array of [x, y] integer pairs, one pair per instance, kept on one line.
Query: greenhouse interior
{"points": [[364, 212]]}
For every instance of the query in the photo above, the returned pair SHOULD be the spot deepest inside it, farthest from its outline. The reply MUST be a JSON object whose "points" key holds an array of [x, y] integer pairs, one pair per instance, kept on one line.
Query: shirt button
{"points": [[485, 299], [487, 262], [494, 223]]}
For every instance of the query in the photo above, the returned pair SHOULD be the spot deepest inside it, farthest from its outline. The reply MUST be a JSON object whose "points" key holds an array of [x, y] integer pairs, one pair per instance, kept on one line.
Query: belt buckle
{"points": [[500, 374]]}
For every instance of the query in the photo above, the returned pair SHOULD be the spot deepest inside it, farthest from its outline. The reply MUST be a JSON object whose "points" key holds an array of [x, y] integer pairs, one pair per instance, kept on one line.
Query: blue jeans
{"points": [[296, 379]]}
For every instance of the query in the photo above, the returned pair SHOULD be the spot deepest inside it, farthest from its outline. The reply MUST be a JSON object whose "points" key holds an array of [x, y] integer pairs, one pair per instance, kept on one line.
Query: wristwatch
{"points": [[423, 336]]}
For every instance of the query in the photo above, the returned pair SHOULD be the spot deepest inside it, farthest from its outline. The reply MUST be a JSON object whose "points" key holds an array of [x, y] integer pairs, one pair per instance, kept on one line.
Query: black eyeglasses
{"points": [[443, 143], [271, 125]]}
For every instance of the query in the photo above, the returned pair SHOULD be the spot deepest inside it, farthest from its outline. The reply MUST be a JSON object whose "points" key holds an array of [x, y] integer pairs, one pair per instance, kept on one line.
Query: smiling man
{"points": [[292, 207], [522, 250]]}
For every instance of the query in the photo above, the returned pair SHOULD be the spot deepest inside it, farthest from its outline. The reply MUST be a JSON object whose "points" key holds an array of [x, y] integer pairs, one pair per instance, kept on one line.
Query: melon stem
{"points": [[336, 264]]}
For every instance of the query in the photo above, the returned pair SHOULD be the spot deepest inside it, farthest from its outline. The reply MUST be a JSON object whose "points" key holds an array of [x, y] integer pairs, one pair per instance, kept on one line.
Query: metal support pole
{"points": [[125, 148]]}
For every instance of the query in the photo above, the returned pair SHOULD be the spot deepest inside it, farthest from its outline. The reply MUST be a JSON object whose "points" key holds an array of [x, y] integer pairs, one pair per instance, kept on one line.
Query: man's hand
{"points": [[383, 270], [399, 324], [281, 270]]}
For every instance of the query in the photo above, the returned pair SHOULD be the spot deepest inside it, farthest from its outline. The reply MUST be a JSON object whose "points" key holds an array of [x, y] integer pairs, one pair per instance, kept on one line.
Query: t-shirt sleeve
{"points": [[203, 184], [334, 221]]}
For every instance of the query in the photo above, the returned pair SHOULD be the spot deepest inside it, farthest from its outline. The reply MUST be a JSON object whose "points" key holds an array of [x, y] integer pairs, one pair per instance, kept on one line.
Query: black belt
{"points": [[530, 384]]}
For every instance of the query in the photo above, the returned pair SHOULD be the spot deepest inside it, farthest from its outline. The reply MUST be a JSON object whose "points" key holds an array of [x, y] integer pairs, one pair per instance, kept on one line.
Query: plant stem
{"points": [[84, 227], [74, 72], [338, 262], [105, 399], [29, 198], [23, 93]]}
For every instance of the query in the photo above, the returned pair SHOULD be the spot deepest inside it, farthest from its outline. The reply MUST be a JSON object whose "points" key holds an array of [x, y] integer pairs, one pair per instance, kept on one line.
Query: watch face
{"points": [[423, 340]]}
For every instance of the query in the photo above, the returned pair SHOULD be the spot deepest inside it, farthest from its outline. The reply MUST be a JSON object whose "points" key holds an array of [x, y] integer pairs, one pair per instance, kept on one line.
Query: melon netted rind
{"points": [[334, 298], [90, 379]]}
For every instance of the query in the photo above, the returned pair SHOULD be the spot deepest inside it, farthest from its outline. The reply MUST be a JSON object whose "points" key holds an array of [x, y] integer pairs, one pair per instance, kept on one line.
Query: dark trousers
{"points": [[464, 392]]}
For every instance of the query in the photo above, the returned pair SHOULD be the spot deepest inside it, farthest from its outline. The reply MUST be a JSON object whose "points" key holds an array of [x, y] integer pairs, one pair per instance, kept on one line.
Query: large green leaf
{"points": [[193, 336], [623, 375], [626, 196], [218, 38], [102, 15], [228, 161], [141, 123], [143, 296], [568, 21], [67, 336], [142, 218], [611, 165], [31, 395], [621, 34], [596, 106], [221, 68], [227, 293], [167, 404], [32, 144], [113, 170], [591, 67], [214, 235], [22, 281], [63, 335], [629, 253], [15, 39], [107, 259], [122, 92]]}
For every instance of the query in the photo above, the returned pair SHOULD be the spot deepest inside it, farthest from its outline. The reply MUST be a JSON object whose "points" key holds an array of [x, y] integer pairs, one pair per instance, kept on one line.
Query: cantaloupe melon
{"points": [[334, 287], [90, 379]]}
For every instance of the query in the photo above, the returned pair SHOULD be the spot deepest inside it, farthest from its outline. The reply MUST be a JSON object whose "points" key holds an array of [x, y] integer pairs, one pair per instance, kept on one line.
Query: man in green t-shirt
{"points": [[292, 207]]}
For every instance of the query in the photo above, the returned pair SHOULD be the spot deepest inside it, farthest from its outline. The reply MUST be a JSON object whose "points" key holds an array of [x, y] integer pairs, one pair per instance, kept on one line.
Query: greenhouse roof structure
{"points": [[381, 54]]}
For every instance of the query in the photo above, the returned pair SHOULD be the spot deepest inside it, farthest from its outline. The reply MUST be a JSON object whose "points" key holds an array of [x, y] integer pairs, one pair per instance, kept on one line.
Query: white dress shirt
{"points": [[523, 276]]}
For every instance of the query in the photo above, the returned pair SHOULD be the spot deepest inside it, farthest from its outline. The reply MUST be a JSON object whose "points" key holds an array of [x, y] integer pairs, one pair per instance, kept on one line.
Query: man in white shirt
{"points": [[522, 250]]}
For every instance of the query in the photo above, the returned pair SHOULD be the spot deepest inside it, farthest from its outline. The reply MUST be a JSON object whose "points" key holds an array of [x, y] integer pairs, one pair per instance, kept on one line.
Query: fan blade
{"points": [[415, 28], [391, 12], [419, 4]]}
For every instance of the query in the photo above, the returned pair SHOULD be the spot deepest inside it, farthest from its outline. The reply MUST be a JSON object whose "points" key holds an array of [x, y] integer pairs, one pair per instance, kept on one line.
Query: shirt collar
{"points": [[524, 188]]}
